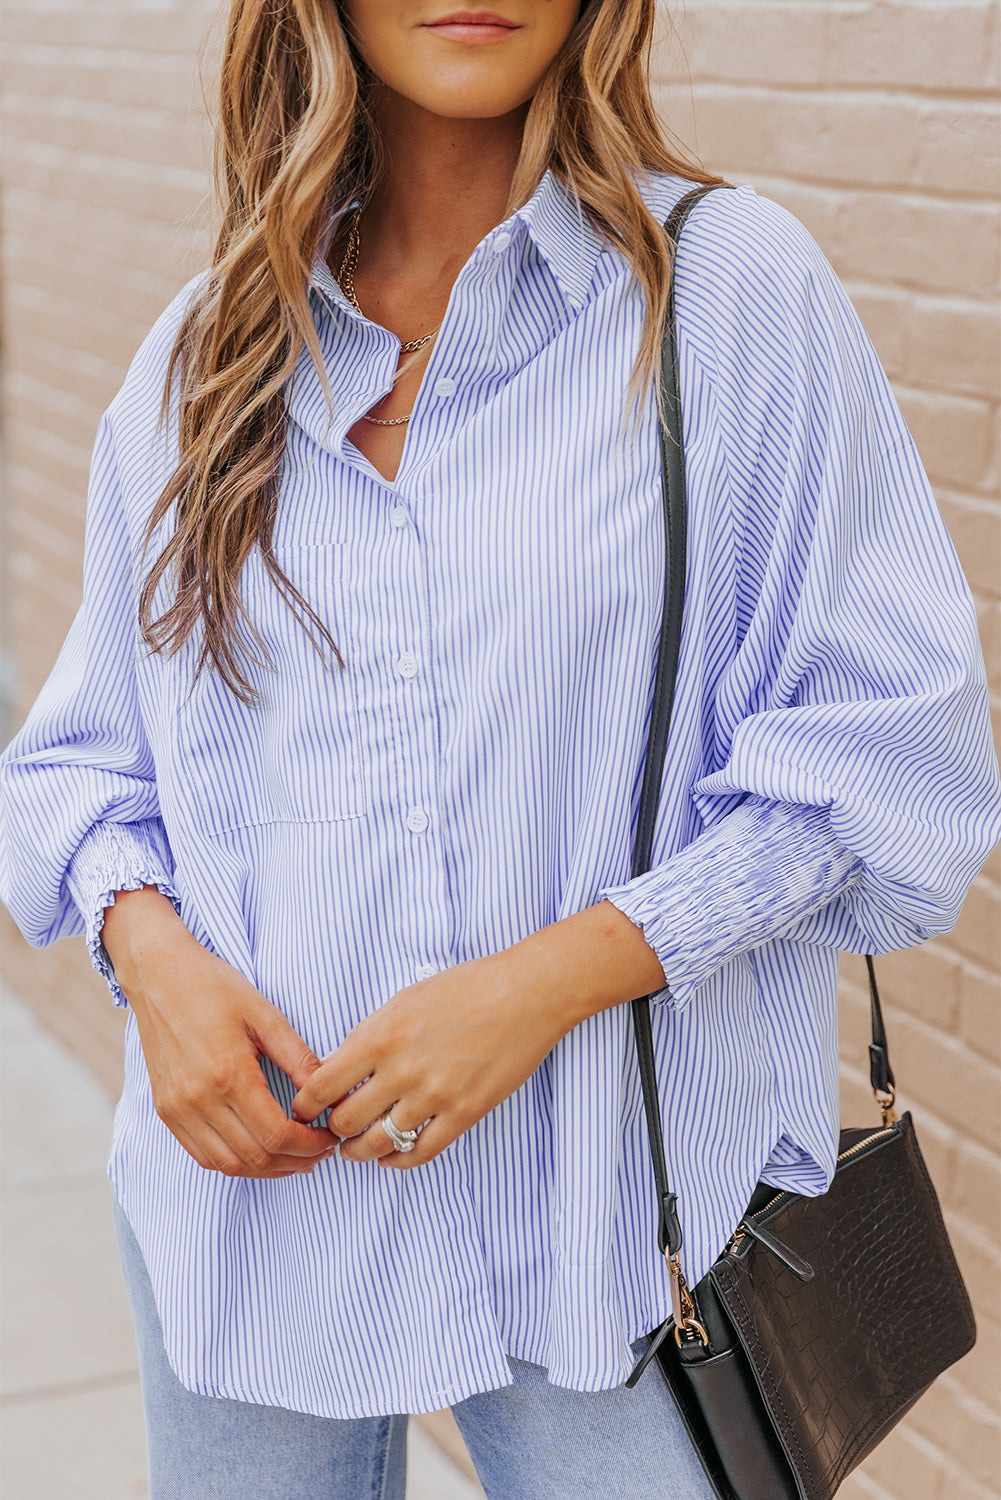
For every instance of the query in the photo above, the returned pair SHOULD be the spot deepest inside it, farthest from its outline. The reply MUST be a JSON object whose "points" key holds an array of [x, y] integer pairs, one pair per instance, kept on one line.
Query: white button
{"points": [[501, 243], [398, 516], [407, 665], [417, 820], [445, 387], [426, 970]]}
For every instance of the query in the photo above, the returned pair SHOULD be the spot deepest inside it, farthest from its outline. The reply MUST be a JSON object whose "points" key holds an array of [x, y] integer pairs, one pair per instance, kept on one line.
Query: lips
{"points": [[473, 26], [474, 18]]}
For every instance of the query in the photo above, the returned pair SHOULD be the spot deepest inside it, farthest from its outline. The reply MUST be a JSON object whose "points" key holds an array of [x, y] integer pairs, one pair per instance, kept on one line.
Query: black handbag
{"points": [[823, 1319]]}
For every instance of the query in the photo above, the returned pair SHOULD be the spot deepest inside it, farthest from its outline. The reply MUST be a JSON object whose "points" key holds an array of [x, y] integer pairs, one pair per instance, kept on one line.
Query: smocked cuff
{"points": [[753, 875], [117, 857]]}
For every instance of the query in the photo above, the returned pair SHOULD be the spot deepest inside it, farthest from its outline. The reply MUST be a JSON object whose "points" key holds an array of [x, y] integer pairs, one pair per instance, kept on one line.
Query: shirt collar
{"points": [[554, 220], [558, 226]]}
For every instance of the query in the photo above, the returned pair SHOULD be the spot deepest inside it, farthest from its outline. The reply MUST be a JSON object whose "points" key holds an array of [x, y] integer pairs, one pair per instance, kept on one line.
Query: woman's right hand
{"points": [[204, 1028]]}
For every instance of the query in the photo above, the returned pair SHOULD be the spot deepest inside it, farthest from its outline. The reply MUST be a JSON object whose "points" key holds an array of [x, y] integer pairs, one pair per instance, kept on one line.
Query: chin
{"points": [[469, 99]]}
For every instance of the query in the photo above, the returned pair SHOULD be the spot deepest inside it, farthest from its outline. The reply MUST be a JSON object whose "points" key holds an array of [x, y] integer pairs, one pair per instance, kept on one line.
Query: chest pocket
{"points": [[294, 755]]}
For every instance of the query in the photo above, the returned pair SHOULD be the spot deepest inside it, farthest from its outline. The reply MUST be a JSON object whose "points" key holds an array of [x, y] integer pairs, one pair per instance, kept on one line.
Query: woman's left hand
{"points": [[448, 1049]]}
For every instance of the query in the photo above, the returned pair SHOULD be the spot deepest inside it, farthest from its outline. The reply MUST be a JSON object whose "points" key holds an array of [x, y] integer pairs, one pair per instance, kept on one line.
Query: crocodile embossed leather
{"points": [[824, 1367]]}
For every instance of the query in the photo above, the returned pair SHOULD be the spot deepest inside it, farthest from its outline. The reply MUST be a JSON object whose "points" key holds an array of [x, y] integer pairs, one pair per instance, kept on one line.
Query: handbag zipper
{"points": [[740, 1233], [861, 1145]]}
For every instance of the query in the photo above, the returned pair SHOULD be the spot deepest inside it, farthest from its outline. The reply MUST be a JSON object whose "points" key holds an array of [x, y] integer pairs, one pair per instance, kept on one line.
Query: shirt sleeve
{"points": [[856, 681], [117, 857], [79, 813], [756, 873]]}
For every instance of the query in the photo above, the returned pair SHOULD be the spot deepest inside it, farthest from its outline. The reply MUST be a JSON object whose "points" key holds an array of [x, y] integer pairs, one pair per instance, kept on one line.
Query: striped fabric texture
{"points": [[473, 774]]}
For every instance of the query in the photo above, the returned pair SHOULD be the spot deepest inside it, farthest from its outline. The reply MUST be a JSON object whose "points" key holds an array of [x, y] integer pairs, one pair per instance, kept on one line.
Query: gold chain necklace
{"points": [[346, 279]]}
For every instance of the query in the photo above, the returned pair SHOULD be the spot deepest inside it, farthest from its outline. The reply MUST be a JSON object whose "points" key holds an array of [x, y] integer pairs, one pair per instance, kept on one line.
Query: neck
{"points": [[446, 186]]}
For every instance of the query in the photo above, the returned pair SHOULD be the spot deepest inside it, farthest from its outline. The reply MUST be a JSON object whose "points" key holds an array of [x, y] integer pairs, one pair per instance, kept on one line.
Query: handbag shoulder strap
{"points": [[672, 462], [675, 531]]}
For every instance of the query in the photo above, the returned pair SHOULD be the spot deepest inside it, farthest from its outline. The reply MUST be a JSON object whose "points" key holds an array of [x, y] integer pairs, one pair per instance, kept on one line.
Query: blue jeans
{"points": [[529, 1441]]}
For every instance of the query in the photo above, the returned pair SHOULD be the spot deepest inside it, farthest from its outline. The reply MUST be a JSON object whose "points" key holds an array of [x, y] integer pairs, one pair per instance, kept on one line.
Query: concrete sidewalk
{"points": [[72, 1422]]}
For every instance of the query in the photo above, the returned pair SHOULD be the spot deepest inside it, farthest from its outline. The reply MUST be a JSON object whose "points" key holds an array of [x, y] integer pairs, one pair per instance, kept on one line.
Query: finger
{"points": [[334, 1078], [274, 1034], [191, 1146], [371, 1143], [433, 1139], [362, 1107], [256, 1160], [246, 1094], [212, 1152]]}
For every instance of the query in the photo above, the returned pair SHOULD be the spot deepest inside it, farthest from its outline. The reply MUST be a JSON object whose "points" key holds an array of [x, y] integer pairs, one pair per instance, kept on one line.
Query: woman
{"points": [[339, 764]]}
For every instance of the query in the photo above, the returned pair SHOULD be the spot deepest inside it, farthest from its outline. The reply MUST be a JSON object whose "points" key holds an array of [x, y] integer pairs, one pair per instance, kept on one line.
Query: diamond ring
{"points": [[403, 1140]]}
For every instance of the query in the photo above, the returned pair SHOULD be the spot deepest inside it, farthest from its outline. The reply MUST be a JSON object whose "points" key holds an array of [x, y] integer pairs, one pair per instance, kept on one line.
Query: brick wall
{"points": [[105, 217], [877, 125]]}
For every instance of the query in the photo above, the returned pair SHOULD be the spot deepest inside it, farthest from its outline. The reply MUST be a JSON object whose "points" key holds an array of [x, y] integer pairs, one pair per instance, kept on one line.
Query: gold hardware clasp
{"points": [[686, 1324], [886, 1098]]}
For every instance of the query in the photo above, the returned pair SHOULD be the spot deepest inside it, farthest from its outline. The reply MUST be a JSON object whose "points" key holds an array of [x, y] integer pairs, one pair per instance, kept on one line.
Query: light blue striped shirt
{"points": [[473, 775]]}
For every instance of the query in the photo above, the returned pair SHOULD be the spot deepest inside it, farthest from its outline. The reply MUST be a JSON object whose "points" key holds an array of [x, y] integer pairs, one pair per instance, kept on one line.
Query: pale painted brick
{"points": [[958, 147], [161, 80], [117, 236], [960, 1486], [845, 139], [98, 182], [887, 315], [955, 434], [859, 1487], [179, 29], [925, 981], [954, 344], [149, 137], [920, 242], [965, 1427], [980, 1013], [939, 1144], [980, 1262], [989, 626], [766, 44], [992, 865], [975, 528], [856, 1101], [907, 1465], [63, 458], [936, 46], [975, 1188], [742, 128], [979, 1372], [941, 1073], [976, 932]]}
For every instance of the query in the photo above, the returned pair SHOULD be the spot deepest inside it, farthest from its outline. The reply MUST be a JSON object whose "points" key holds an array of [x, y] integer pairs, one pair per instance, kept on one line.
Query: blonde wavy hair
{"points": [[295, 142]]}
